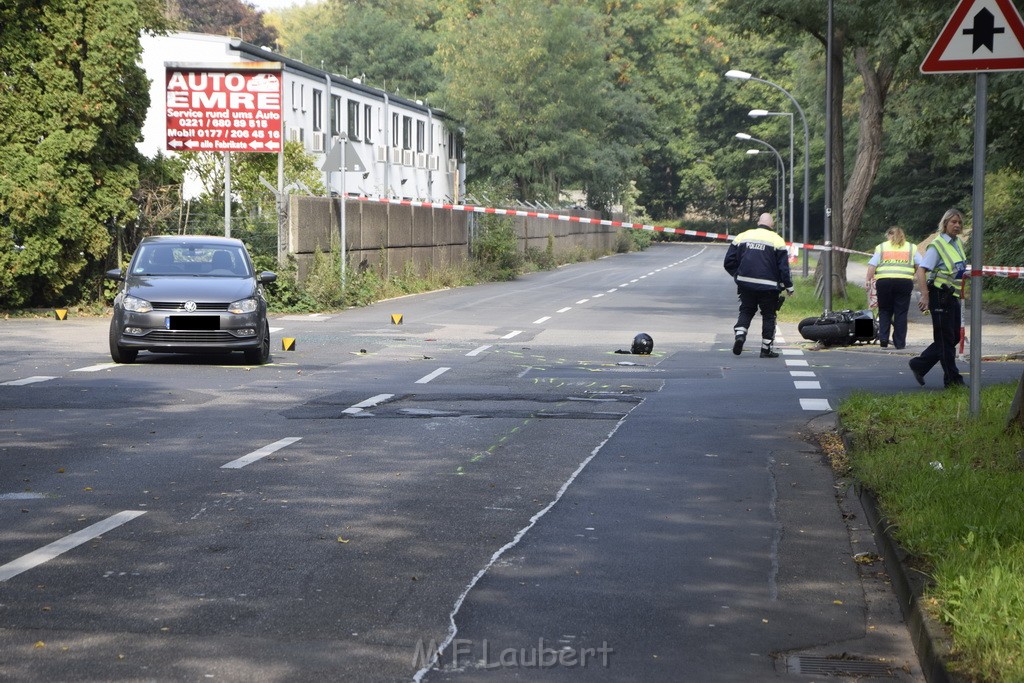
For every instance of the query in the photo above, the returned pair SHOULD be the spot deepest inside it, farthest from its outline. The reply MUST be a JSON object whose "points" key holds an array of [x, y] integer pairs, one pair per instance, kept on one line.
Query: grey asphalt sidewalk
{"points": [[1001, 337]]}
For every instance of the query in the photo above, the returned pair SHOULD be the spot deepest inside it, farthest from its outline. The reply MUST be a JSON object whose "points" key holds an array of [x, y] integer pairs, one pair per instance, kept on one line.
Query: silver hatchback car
{"points": [[190, 294]]}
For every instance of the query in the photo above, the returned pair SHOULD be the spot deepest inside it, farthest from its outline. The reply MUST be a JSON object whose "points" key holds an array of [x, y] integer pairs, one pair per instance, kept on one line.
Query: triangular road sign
{"points": [[981, 35]]}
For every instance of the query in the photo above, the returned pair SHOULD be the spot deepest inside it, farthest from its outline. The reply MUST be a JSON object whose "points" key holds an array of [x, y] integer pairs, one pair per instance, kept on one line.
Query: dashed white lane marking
{"points": [[538, 321], [582, 301], [275, 329], [513, 333], [807, 385], [792, 352], [597, 296], [801, 373], [563, 310], [624, 284], [96, 368], [368, 403], [260, 453], [815, 404], [27, 380], [796, 363], [612, 290], [435, 374], [48, 552], [478, 350]]}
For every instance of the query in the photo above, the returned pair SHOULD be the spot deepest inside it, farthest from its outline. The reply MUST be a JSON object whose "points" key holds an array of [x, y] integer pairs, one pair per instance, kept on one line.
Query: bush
{"points": [[495, 249]]}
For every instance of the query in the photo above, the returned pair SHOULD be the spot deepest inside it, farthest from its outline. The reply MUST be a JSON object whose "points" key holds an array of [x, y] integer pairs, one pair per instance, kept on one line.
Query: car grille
{"points": [[180, 306], [190, 337]]}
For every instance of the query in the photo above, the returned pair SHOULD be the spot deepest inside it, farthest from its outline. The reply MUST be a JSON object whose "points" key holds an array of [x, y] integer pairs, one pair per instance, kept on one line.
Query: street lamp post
{"points": [[782, 165], [792, 171], [744, 76]]}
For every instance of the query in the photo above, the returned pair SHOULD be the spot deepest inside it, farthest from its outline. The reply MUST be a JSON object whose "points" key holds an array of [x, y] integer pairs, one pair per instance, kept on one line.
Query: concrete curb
{"points": [[930, 640]]}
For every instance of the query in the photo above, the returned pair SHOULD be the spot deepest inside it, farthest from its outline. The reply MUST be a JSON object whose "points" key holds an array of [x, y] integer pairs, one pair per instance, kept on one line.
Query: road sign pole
{"points": [[344, 166], [227, 194], [977, 232]]}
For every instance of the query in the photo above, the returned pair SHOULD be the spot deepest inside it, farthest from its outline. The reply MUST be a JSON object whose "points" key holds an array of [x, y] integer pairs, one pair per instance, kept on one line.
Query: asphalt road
{"points": [[488, 477]]}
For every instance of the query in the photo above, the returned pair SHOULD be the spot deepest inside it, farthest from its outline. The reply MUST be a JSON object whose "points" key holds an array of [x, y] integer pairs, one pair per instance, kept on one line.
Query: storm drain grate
{"points": [[840, 666]]}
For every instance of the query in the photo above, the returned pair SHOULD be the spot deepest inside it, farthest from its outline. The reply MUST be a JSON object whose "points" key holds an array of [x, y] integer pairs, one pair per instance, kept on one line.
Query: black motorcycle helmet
{"points": [[643, 344]]}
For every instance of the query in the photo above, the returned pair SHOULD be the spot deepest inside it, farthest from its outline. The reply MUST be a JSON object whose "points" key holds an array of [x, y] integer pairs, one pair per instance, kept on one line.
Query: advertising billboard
{"points": [[224, 107]]}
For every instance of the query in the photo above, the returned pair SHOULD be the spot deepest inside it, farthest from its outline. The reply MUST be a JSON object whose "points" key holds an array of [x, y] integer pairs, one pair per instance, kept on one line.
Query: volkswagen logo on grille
{"points": [[190, 306]]}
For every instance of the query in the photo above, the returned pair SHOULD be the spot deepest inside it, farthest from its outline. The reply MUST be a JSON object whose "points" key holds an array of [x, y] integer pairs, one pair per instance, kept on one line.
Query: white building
{"points": [[410, 150]]}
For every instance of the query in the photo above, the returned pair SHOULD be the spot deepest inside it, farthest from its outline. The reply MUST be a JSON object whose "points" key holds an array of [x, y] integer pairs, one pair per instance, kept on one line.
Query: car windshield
{"points": [[199, 259]]}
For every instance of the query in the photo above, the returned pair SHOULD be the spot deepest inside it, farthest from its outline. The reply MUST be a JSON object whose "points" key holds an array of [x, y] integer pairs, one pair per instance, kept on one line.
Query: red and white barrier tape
{"points": [[998, 271]]}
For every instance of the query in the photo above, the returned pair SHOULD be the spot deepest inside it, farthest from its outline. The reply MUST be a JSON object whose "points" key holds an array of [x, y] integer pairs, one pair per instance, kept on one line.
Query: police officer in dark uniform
{"points": [[758, 261], [939, 279]]}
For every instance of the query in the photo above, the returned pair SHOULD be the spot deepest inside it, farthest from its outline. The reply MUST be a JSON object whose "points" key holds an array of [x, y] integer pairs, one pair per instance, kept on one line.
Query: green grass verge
{"points": [[953, 487]]}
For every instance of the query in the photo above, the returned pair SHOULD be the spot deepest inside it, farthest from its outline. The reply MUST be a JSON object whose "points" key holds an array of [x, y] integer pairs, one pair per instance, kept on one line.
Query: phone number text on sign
{"points": [[236, 110]]}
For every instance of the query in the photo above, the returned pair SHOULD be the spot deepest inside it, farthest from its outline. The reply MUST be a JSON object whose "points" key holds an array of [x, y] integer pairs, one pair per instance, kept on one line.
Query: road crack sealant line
{"points": [[998, 271], [452, 628]]}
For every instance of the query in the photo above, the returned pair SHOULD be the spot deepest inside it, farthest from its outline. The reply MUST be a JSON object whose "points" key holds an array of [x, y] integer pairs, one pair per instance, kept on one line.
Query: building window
{"points": [[421, 136], [394, 130], [406, 132], [318, 111], [335, 115], [295, 95], [302, 96], [353, 120], [368, 123]]}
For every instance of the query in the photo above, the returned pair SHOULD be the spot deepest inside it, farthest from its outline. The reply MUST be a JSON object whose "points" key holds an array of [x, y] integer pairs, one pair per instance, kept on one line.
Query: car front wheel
{"points": [[119, 354], [260, 355]]}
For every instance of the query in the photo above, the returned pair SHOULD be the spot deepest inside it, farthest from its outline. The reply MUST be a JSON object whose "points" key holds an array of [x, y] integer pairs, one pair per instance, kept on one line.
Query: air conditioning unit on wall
{"points": [[396, 155], [381, 154], [421, 160], [453, 165], [434, 162], [318, 142], [407, 157]]}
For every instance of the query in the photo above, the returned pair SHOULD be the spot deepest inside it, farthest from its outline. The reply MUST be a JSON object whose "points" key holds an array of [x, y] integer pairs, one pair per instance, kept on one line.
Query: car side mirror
{"points": [[266, 277], [114, 274]]}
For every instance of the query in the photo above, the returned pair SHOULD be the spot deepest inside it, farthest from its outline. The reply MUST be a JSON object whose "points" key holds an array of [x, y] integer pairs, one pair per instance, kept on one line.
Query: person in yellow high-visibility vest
{"points": [[939, 279], [892, 269]]}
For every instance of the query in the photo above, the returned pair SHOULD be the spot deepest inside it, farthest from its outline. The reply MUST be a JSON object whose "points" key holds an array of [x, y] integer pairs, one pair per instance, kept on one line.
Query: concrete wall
{"points": [[426, 237]]}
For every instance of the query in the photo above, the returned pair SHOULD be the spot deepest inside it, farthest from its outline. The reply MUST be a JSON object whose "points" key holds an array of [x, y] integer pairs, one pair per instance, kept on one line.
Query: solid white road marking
{"points": [[96, 368], [433, 375], [513, 333], [368, 403], [27, 380], [478, 350], [807, 385], [538, 321], [48, 552], [815, 404], [260, 453]]}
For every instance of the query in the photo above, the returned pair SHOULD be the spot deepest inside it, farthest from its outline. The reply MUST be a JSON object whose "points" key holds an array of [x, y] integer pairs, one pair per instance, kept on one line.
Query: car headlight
{"points": [[243, 306], [136, 305]]}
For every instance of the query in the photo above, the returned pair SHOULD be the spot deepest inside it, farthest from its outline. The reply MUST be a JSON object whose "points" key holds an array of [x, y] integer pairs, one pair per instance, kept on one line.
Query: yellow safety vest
{"points": [[952, 263], [895, 262]]}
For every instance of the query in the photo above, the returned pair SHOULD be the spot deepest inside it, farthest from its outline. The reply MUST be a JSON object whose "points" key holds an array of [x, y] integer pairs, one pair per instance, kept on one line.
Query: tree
{"points": [[387, 43], [72, 102], [538, 101], [223, 17]]}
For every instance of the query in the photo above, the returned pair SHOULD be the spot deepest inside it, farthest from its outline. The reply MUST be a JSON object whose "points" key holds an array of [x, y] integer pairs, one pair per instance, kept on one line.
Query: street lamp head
{"points": [[757, 112], [737, 74], [743, 136], [753, 151]]}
